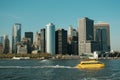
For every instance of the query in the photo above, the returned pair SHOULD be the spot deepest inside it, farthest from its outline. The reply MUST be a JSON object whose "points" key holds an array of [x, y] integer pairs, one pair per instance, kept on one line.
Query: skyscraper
{"points": [[37, 42], [101, 38], [70, 34], [50, 38], [16, 36], [104, 27], [61, 41], [75, 42], [6, 44], [29, 36], [85, 35], [43, 41], [70, 31], [72, 41], [2, 40], [1, 44]]}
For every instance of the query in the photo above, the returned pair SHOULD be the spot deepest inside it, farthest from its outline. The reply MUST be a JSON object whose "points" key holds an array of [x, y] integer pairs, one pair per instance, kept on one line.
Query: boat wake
{"points": [[27, 67]]}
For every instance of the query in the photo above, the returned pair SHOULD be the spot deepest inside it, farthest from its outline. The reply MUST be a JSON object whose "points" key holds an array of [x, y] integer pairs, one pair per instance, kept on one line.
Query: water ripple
{"points": [[27, 67]]}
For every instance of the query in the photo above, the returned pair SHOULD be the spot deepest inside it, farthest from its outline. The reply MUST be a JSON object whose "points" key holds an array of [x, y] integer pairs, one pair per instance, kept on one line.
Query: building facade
{"points": [[29, 41], [6, 44], [1, 44], [73, 42], [101, 38], [50, 38], [85, 33], [61, 41], [21, 48], [37, 43], [43, 41], [16, 36], [70, 34], [29, 36], [102, 35]]}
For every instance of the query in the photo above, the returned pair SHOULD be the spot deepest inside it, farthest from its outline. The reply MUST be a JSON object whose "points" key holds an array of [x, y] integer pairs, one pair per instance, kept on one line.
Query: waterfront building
{"points": [[29, 39], [61, 41], [2, 40], [16, 36], [50, 38], [6, 44], [102, 35], [1, 48], [37, 43], [73, 42], [43, 40], [21, 48], [1, 44], [85, 35], [70, 34], [90, 46], [69, 40], [26, 42], [29, 35], [101, 38]]}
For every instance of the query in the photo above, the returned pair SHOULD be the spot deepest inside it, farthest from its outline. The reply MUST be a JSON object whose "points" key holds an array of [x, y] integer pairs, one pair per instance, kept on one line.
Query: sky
{"points": [[36, 14]]}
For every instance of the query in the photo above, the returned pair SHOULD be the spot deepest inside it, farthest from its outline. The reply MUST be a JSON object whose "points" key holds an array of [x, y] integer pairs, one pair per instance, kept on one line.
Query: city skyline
{"points": [[34, 15]]}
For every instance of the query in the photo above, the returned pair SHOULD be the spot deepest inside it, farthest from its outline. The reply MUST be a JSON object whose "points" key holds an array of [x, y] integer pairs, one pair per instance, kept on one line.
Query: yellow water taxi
{"points": [[90, 64]]}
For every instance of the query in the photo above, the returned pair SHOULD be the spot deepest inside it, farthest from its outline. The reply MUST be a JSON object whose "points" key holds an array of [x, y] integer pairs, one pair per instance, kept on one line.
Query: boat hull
{"points": [[90, 64]]}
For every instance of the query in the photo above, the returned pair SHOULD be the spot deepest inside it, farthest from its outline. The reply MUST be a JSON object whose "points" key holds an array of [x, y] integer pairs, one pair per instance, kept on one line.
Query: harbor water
{"points": [[56, 70]]}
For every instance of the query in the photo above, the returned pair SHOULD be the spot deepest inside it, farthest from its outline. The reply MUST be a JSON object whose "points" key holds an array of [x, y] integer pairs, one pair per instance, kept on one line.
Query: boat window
{"points": [[91, 63]]}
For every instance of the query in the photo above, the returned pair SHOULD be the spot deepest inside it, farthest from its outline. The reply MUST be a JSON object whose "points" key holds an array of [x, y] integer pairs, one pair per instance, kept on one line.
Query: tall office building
{"points": [[6, 44], [29, 36], [104, 28], [1, 48], [2, 40], [70, 34], [85, 35], [61, 41], [50, 38], [101, 38], [70, 31], [43, 41], [16, 36], [72, 41], [75, 42], [1, 44], [37, 42]]}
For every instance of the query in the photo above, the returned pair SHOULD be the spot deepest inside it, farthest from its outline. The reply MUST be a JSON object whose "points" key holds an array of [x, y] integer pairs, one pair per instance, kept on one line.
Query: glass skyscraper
{"points": [[6, 44], [43, 41], [104, 28], [101, 38], [50, 38], [1, 44], [16, 36], [29, 36], [61, 41]]}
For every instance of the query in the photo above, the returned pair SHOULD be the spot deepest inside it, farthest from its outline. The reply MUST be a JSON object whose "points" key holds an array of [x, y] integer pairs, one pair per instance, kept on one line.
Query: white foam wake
{"points": [[56, 66]]}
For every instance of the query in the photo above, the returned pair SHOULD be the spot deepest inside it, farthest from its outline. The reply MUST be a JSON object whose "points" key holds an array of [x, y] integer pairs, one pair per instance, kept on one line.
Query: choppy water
{"points": [[56, 70]]}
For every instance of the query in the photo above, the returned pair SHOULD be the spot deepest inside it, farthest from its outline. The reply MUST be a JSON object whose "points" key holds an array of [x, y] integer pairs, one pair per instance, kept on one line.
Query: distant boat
{"points": [[20, 58]]}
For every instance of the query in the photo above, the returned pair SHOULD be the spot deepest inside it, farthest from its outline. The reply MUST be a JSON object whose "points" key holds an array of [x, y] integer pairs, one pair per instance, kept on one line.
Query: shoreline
{"points": [[60, 59], [48, 56]]}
